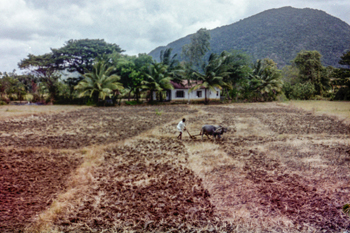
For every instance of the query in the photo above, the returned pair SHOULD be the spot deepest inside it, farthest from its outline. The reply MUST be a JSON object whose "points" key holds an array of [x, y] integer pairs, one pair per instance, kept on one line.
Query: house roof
{"points": [[185, 84]]}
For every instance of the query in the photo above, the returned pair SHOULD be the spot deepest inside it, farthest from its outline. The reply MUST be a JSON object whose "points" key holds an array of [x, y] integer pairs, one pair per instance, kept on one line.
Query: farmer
{"points": [[181, 127]]}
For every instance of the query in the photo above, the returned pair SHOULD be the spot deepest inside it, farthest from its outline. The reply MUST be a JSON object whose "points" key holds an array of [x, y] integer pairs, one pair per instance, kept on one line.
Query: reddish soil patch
{"points": [[147, 186], [29, 181], [298, 198], [284, 120], [289, 186], [143, 196]]}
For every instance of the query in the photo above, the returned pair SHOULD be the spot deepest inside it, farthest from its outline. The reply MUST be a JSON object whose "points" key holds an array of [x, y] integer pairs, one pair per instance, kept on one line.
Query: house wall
{"points": [[166, 98], [193, 95]]}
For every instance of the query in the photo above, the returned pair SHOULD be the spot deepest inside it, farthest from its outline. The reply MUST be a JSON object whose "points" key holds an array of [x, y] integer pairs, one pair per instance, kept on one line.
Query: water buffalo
{"points": [[213, 130]]}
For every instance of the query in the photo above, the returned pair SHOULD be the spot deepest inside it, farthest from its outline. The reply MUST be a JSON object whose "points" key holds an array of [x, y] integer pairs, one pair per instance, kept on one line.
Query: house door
{"points": [[168, 95]]}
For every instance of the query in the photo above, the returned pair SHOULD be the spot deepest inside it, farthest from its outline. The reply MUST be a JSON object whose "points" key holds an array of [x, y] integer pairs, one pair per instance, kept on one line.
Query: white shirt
{"points": [[181, 126]]}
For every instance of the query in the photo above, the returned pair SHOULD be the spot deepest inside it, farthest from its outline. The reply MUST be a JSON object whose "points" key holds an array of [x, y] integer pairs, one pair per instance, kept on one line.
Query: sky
{"points": [[137, 26]]}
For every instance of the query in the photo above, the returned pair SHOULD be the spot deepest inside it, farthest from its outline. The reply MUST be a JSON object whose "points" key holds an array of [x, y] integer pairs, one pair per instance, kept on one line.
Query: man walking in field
{"points": [[181, 127]]}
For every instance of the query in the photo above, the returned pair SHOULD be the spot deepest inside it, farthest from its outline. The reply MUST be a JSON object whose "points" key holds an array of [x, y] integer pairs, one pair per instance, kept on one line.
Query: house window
{"points": [[180, 94], [217, 93], [199, 93]]}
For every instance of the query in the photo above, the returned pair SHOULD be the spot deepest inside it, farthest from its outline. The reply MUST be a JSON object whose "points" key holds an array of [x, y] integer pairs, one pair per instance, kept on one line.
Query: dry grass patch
{"points": [[251, 126], [12, 111], [204, 156], [337, 108]]}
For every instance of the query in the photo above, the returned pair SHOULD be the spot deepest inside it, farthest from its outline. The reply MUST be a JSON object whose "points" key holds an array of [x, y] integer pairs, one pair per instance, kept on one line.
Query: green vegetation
{"points": [[99, 83], [341, 79], [159, 113], [279, 34], [266, 79], [75, 55], [157, 80], [212, 77], [133, 102], [99, 74], [194, 52], [114, 77]]}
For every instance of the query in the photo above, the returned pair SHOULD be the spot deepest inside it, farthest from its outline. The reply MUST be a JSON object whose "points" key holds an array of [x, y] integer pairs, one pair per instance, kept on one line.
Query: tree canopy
{"points": [[311, 69], [342, 78], [266, 79], [157, 79], [99, 83], [195, 51], [75, 55], [213, 75]]}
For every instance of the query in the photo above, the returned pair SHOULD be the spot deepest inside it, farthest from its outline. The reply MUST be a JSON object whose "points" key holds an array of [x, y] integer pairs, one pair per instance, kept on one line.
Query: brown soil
{"points": [[282, 180], [143, 187], [29, 182], [92, 126], [276, 170]]}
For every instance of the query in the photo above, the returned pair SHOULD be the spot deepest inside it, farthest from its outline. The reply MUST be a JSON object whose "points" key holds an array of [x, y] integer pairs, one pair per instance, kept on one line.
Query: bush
{"points": [[299, 91], [13, 96], [281, 97], [133, 102], [342, 94], [2, 102], [233, 93], [318, 97], [90, 102], [287, 89]]}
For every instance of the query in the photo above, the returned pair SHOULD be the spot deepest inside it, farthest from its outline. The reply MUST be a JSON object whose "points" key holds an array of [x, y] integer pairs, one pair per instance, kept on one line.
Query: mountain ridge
{"points": [[279, 34]]}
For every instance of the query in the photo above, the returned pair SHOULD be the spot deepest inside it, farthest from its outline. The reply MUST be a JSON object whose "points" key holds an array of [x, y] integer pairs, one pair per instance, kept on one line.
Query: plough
{"points": [[194, 136]]}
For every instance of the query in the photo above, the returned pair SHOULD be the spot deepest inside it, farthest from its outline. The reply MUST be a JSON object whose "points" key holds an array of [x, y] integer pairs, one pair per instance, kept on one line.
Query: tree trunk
{"points": [[160, 96], [206, 97], [137, 95], [151, 97]]}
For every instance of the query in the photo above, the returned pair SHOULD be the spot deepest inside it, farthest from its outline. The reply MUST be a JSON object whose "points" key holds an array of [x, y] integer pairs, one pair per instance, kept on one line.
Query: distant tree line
{"points": [[105, 76]]}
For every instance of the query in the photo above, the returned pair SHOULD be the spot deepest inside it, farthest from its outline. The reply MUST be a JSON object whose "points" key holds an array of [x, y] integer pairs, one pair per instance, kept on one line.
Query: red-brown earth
{"points": [[29, 182], [287, 170]]}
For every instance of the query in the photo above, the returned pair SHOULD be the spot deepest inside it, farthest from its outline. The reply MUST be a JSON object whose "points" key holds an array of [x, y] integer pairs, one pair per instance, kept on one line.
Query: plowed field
{"points": [[277, 169]]}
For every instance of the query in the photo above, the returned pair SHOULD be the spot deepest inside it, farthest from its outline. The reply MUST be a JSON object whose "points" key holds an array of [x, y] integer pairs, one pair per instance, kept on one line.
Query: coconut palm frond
{"points": [[99, 82]]}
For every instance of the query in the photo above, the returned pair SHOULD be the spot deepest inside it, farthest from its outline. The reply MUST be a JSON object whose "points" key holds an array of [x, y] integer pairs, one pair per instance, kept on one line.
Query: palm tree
{"points": [[167, 59], [265, 78], [157, 79], [213, 75], [99, 83]]}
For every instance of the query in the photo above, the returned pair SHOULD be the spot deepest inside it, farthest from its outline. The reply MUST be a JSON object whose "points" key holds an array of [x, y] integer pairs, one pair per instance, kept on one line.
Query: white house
{"points": [[181, 92]]}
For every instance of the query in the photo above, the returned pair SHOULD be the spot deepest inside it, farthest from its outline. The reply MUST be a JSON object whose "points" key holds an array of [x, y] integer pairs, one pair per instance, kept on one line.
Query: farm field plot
{"points": [[277, 169], [90, 126]]}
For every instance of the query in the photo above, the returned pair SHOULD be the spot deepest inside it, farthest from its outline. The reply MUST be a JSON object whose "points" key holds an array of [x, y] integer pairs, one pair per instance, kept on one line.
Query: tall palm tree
{"points": [[213, 75], [157, 79], [265, 78], [167, 59], [99, 83]]}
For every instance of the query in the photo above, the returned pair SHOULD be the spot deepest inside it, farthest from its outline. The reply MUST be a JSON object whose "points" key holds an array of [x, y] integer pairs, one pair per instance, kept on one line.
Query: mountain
{"points": [[278, 34]]}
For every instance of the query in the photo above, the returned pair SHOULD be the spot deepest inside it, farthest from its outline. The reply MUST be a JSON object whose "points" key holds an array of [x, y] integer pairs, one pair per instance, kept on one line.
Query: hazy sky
{"points": [[137, 26]]}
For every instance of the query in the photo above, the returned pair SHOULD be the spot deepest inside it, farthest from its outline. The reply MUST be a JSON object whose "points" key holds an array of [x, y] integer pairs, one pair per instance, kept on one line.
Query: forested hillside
{"points": [[279, 34]]}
